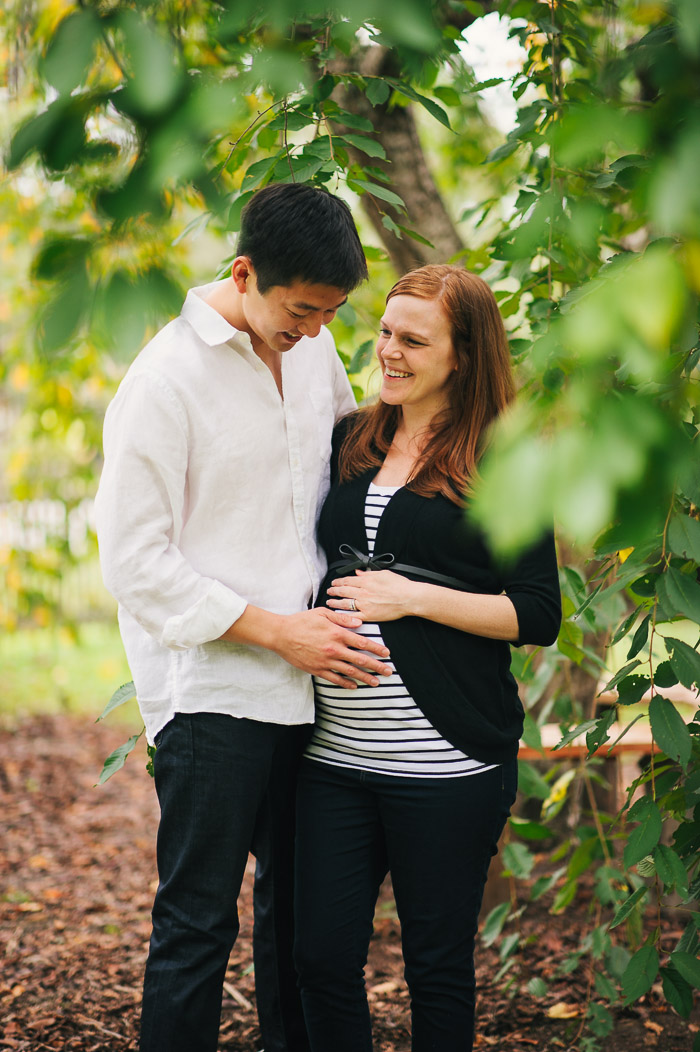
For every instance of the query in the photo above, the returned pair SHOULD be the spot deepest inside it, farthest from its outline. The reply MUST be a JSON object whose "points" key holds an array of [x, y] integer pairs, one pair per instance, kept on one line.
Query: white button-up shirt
{"points": [[208, 501]]}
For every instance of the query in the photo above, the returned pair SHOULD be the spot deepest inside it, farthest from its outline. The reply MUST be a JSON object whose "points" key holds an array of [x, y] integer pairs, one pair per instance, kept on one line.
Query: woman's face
{"points": [[415, 353]]}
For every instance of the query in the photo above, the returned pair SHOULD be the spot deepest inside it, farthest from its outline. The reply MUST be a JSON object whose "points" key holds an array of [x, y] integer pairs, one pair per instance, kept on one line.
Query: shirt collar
{"points": [[209, 325]]}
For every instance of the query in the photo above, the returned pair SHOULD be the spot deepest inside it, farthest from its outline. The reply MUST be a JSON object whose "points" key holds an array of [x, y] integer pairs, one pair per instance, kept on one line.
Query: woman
{"points": [[416, 775]]}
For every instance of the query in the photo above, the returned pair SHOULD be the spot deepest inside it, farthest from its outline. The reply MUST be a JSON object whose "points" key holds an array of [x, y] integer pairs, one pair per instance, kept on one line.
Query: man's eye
{"points": [[293, 315]]}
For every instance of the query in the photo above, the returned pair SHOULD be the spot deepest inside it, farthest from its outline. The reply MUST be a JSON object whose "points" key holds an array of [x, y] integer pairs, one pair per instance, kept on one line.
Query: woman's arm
{"points": [[381, 595]]}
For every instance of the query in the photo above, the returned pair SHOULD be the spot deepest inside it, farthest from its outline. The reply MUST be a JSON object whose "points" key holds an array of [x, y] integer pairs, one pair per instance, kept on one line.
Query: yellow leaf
{"points": [[654, 1027], [624, 554], [13, 579], [562, 1010], [388, 987], [20, 376], [41, 616], [64, 395]]}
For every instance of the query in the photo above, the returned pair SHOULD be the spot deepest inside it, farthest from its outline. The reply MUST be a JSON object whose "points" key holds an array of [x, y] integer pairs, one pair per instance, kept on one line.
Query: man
{"points": [[216, 463]]}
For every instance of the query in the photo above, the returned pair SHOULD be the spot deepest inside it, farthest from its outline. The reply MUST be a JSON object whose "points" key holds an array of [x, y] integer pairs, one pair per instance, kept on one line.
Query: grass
{"points": [[47, 671]]}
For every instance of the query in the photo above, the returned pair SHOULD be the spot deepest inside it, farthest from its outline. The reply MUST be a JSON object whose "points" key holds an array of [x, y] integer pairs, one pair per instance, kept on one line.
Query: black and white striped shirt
{"points": [[381, 729]]}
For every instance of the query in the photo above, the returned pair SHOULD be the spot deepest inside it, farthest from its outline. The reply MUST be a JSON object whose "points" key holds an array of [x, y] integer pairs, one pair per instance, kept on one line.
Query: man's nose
{"points": [[311, 325]]}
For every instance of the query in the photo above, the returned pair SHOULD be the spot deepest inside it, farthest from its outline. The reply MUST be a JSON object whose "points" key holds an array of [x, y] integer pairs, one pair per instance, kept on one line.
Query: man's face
{"points": [[280, 317]]}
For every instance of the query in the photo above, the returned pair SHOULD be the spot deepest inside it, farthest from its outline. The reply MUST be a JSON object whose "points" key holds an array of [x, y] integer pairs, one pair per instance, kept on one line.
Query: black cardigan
{"points": [[461, 682]]}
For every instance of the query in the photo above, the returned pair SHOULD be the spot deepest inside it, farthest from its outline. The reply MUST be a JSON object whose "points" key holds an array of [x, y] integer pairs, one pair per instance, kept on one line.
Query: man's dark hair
{"points": [[295, 232]]}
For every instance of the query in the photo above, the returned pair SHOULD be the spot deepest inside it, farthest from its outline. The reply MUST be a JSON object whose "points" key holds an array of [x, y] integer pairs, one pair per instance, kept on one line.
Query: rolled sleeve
{"points": [[532, 585], [206, 620]]}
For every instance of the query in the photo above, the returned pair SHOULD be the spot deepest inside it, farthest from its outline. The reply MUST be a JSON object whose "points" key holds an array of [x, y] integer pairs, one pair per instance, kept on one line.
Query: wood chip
{"points": [[238, 997]]}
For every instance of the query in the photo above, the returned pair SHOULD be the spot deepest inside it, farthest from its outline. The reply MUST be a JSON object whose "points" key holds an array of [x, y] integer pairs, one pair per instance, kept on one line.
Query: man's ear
{"points": [[242, 271]]}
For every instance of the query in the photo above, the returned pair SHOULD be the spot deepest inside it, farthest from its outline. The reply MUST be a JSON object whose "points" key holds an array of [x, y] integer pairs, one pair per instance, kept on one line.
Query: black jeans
{"points": [[436, 836], [225, 787]]}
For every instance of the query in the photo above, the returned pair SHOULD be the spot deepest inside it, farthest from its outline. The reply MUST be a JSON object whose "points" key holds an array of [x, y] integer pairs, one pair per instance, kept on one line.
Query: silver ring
{"points": [[353, 604]]}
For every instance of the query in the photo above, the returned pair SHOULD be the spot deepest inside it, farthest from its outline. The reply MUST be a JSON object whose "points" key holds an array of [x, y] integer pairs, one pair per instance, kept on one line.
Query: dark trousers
{"points": [[436, 836], [225, 787]]}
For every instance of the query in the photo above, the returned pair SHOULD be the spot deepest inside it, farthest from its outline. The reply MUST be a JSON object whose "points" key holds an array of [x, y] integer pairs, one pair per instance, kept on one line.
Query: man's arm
{"points": [[139, 511], [319, 641]]}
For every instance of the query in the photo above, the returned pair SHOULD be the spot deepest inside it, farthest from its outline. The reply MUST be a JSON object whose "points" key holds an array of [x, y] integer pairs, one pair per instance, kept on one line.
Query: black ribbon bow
{"points": [[357, 560]]}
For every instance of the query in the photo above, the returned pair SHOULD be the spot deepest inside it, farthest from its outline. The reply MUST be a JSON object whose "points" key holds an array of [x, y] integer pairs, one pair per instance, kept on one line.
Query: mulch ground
{"points": [[77, 876]]}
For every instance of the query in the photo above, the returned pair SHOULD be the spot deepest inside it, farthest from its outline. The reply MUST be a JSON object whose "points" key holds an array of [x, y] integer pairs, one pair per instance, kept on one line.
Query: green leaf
{"points": [[415, 236], [32, 135], [529, 830], [493, 925], [542, 885], [599, 1019], [376, 190], [639, 638], [362, 142], [670, 869], [509, 945], [531, 782], [582, 728], [361, 357], [664, 675], [116, 760], [518, 860], [598, 735], [323, 87], [644, 838], [432, 107], [632, 689], [63, 314], [352, 120], [60, 256], [669, 729], [640, 973], [688, 966], [505, 150], [564, 897], [537, 987], [684, 537], [628, 906], [70, 50], [377, 90], [677, 991], [624, 671], [624, 628], [605, 987], [685, 661], [680, 594], [125, 693], [156, 76], [292, 120], [257, 173], [450, 96]]}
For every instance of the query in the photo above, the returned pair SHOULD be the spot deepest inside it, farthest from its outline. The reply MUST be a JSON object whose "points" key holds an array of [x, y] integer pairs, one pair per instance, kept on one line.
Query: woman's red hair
{"points": [[481, 388]]}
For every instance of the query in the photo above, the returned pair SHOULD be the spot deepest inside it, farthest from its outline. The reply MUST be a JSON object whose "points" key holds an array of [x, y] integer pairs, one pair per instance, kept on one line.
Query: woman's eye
{"points": [[384, 332]]}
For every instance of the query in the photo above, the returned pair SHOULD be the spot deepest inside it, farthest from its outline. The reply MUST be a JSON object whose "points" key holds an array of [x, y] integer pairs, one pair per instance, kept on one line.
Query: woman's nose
{"points": [[390, 350]]}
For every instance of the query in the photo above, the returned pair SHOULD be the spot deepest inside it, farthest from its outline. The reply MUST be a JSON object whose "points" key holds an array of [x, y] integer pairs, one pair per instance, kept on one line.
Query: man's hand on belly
{"points": [[320, 642]]}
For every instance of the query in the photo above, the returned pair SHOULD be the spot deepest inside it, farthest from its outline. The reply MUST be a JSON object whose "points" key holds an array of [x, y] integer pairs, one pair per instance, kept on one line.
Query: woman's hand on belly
{"points": [[378, 595]]}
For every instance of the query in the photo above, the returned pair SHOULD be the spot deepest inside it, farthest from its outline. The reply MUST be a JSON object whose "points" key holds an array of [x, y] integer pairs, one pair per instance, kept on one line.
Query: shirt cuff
{"points": [[208, 619]]}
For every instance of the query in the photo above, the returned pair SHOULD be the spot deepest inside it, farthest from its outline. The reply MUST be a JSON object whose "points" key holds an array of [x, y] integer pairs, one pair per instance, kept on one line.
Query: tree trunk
{"points": [[405, 164]]}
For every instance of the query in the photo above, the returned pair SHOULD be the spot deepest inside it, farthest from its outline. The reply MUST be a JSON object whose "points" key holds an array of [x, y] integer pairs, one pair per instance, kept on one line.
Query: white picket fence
{"points": [[38, 526]]}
